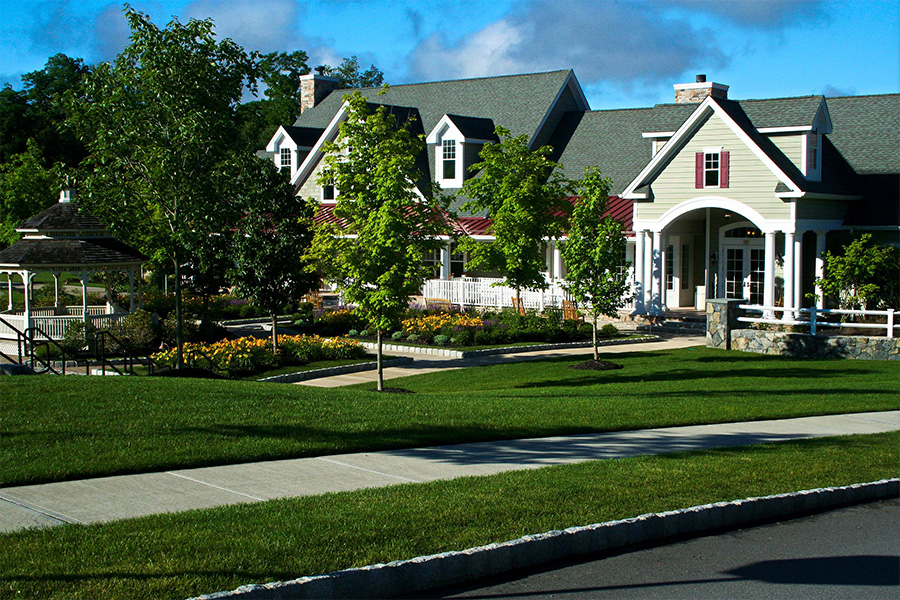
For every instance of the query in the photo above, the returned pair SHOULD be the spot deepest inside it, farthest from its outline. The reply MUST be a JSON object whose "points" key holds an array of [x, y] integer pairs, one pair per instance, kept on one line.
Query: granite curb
{"points": [[332, 371], [447, 568], [448, 353]]}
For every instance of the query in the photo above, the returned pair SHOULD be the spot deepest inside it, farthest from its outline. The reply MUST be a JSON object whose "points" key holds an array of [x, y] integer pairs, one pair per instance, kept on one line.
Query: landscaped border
{"points": [[447, 568], [449, 353], [339, 370]]}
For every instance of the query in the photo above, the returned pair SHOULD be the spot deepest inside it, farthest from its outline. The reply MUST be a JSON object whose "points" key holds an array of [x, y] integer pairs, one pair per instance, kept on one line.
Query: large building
{"points": [[721, 198]]}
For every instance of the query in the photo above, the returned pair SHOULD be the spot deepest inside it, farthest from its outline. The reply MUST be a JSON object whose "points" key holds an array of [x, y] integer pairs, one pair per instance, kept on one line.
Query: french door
{"points": [[744, 273]]}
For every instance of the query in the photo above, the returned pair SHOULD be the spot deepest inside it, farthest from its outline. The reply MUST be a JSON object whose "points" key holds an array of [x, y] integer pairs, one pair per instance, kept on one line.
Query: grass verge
{"points": [[180, 555], [58, 428]]}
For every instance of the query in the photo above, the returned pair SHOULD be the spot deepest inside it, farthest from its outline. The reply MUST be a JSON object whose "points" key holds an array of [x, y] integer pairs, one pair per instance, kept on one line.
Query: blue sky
{"points": [[625, 53]]}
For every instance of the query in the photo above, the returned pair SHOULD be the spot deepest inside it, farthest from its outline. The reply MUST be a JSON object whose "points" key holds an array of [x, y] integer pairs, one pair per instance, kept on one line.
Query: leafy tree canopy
{"points": [[526, 196], [268, 252], [866, 275], [377, 255], [594, 251], [38, 112], [351, 75], [26, 188]]}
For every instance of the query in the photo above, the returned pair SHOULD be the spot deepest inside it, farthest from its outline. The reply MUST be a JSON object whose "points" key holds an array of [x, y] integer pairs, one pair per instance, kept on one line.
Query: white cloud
{"points": [[264, 25], [625, 42]]}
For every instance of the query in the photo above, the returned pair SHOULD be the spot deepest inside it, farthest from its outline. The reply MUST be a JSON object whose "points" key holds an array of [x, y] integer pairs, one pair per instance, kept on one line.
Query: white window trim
{"points": [[717, 150], [322, 198]]}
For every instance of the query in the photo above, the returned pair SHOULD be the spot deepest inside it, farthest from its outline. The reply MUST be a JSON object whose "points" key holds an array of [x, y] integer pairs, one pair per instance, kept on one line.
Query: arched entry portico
{"points": [[717, 247]]}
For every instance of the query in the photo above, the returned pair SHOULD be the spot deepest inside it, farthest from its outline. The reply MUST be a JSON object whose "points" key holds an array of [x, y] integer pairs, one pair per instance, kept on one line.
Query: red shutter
{"points": [[698, 171], [723, 169]]}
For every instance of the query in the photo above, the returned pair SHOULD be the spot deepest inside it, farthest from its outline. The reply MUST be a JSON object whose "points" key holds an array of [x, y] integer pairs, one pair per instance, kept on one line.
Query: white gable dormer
{"points": [[285, 151], [448, 143], [457, 141], [811, 159]]}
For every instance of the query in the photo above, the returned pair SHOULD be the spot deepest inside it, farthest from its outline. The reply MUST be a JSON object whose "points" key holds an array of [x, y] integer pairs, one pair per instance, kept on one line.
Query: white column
{"points": [[131, 290], [657, 273], [798, 269], [788, 275], [445, 262], [820, 267], [769, 273], [9, 285], [557, 261], [638, 272], [648, 272], [26, 289], [84, 281], [56, 289]]}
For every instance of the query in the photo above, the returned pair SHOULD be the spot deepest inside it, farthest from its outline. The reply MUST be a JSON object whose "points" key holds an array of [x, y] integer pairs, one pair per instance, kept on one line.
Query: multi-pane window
{"points": [[449, 159], [285, 158], [670, 267], [685, 265], [328, 190], [711, 169]]}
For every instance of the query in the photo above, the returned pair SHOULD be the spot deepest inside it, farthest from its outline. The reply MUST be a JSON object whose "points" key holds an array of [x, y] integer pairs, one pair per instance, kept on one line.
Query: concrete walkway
{"points": [[111, 498]]}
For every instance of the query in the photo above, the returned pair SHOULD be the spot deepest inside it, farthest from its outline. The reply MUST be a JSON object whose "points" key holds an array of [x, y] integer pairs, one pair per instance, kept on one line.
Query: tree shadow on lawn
{"points": [[719, 395], [619, 376]]}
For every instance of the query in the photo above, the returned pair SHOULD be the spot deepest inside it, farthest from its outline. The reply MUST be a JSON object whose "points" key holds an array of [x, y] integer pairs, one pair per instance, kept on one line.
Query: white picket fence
{"points": [[55, 325], [487, 292]]}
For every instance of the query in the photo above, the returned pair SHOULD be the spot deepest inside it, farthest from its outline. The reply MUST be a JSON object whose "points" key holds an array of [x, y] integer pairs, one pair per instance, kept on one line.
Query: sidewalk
{"points": [[111, 498]]}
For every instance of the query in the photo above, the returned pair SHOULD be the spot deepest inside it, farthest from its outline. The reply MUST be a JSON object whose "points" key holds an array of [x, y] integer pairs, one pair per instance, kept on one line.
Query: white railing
{"points": [[52, 311], [814, 317], [485, 292], [55, 326]]}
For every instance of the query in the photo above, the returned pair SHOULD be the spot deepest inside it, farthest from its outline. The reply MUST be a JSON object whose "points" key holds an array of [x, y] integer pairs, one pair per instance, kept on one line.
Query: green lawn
{"points": [[191, 553], [56, 428]]}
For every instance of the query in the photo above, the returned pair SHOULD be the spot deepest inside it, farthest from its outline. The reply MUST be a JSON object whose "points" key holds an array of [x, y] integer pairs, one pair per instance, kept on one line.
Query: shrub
{"points": [[413, 337], [441, 340], [364, 333], [188, 329], [397, 335], [353, 333], [609, 330], [139, 330], [77, 338]]}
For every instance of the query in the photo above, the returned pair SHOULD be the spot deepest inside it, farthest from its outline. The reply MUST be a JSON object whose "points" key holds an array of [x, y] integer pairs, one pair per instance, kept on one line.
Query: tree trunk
{"points": [[594, 328], [179, 332], [275, 333], [379, 367]]}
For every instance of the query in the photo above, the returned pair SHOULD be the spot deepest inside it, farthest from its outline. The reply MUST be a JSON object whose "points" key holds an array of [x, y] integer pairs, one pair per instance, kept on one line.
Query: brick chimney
{"points": [[315, 87], [695, 93]]}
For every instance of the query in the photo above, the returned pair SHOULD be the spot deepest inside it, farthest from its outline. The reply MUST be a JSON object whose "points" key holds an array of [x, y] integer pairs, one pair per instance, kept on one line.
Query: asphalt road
{"points": [[847, 553]]}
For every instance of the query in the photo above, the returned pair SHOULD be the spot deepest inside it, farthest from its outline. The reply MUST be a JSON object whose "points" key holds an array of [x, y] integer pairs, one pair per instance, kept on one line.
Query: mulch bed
{"points": [[597, 365]]}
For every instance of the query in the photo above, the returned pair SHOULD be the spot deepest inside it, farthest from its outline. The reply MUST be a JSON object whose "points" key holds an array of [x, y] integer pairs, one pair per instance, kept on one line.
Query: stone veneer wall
{"points": [[723, 330], [815, 346]]}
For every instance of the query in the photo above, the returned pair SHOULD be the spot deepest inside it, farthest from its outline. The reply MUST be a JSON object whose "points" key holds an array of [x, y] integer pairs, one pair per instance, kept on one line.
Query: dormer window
{"points": [[813, 159], [285, 158], [711, 168], [449, 159]]}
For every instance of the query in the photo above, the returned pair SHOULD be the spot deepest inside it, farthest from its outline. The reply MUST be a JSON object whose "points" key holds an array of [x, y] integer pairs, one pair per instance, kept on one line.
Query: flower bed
{"points": [[252, 355]]}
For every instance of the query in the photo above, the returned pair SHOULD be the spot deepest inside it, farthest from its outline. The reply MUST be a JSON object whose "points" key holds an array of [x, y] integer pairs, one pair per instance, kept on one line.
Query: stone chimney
{"points": [[315, 87], [695, 93]]}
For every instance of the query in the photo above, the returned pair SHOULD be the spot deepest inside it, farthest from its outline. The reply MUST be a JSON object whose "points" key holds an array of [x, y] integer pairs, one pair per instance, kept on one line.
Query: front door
{"points": [[744, 273]]}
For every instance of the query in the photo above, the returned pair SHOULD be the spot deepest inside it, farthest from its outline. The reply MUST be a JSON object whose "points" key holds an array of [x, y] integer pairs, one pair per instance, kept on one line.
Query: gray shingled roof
{"points": [[72, 252], [64, 216], [516, 102], [866, 132]]}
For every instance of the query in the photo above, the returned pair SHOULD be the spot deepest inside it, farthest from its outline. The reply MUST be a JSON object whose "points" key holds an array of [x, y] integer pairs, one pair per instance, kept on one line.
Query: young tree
{"points": [[377, 255], [525, 195], [157, 122], [594, 252], [866, 275], [271, 240]]}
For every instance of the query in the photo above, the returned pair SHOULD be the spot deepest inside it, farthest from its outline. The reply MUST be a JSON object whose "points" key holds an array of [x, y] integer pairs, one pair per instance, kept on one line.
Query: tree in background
{"points": [[377, 255], [271, 240], [594, 252], [865, 275], [26, 188], [525, 195], [350, 75], [158, 122], [38, 112]]}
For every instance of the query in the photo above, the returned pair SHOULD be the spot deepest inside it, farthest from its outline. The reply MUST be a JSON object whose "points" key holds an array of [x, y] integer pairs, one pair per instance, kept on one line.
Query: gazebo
{"points": [[64, 238]]}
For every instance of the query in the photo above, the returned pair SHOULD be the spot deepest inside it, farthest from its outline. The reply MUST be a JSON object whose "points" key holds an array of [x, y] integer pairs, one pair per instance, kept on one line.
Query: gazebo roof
{"points": [[67, 237], [68, 253]]}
